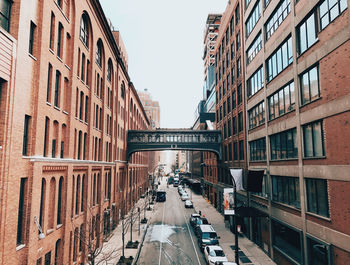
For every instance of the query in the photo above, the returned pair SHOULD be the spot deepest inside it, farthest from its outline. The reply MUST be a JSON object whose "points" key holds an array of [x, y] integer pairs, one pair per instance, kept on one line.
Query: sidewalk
{"points": [[112, 248], [227, 238]]}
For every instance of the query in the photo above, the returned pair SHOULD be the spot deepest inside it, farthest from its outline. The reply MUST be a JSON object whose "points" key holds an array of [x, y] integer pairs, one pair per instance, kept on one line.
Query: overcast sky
{"points": [[164, 42]]}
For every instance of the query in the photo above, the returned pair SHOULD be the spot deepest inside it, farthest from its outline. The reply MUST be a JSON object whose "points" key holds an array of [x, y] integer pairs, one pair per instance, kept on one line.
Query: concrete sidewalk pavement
{"points": [[113, 248], [227, 238]]}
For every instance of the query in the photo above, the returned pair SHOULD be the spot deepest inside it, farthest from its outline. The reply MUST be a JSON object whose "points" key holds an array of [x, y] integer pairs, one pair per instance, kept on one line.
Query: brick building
{"points": [[296, 107], [297, 111], [66, 103]]}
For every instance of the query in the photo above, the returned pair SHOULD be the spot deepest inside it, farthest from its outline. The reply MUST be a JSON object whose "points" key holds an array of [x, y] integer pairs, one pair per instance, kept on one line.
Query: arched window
{"points": [[84, 31], [42, 203], [122, 93], [99, 53], [77, 193], [82, 193], [109, 70], [52, 203]]}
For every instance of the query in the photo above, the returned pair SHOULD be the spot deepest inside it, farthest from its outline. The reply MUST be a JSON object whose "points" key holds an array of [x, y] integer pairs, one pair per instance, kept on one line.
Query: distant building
{"points": [[152, 109]]}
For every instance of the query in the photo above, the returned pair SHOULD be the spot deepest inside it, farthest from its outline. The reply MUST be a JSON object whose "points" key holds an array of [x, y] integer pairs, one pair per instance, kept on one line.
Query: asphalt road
{"points": [[170, 238]]}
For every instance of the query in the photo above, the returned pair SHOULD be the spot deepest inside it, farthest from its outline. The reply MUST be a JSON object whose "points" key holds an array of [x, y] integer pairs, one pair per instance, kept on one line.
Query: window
{"points": [[255, 82], [234, 125], [240, 122], [48, 258], [48, 89], [313, 139], [283, 101], [239, 94], [232, 50], [230, 151], [238, 67], [46, 135], [309, 85], [82, 67], [229, 132], [277, 17], [59, 40], [52, 31], [99, 53], [287, 240], [237, 14], [254, 48], [5, 11], [81, 107], [319, 252], [109, 71], [258, 150], [241, 150], [84, 31], [307, 33], [235, 153], [21, 221], [225, 132], [286, 190], [26, 135], [253, 18], [59, 201], [231, 26], [256, 115], [31, 37], [57, 89], [238, 40], [233, 74], [330, 10], [280, 59], [317, 196], [284, 145], [228, 104], [227, 37], [59, 3], [42, 204], [234, 100]]}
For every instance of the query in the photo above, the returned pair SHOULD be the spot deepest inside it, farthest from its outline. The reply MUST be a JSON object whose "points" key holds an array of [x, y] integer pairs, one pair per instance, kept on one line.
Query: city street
{"points": [[170, 238]]}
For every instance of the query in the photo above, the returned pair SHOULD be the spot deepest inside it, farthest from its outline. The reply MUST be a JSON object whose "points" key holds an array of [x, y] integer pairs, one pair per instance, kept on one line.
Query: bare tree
{"points": [[89, 238]]}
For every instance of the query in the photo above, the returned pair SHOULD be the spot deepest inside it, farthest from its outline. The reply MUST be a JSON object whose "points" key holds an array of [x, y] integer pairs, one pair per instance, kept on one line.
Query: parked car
{"points": [[214, 254], [207, 236], [193, 218], [188, 204], [185, 197], [200, 221]]}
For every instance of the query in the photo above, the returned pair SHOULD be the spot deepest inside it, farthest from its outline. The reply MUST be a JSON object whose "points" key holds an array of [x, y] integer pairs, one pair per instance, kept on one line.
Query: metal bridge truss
{"points": [[174, 139]]}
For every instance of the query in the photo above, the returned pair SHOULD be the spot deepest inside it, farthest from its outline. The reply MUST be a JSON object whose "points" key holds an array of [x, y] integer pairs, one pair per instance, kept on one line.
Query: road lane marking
{"points": [[189, 231]]}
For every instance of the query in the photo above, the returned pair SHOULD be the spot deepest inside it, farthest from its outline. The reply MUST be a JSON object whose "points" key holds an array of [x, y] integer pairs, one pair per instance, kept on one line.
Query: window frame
{"points": [[6, 17]]}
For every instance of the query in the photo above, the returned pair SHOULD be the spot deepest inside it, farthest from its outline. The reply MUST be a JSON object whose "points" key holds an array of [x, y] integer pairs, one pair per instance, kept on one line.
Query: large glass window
{"points": [[256, 115], [286, 190], [254, 48], [255, 82], [283, 101], [313, 139], [280, 59], [330, 10], [287, 241], [317, 196], [277, 17], [84, 31], [5, 11], [253, 18], [284, 145], [309, 85], [257, 149], [307, 33], [241, 150], [240, 122], [99, 53]]}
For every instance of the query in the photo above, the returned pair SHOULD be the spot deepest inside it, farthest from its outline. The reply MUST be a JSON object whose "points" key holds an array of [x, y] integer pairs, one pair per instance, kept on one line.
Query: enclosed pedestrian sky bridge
{"points": [[174, 139]]}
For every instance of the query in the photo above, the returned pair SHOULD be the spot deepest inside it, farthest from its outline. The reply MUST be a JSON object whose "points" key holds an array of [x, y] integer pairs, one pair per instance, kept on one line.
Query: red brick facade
{"points": [[67, 103]]}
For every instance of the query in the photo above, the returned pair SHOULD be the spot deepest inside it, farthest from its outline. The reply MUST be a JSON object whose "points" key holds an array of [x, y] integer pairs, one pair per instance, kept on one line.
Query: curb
{"points": [[141, 244]]}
